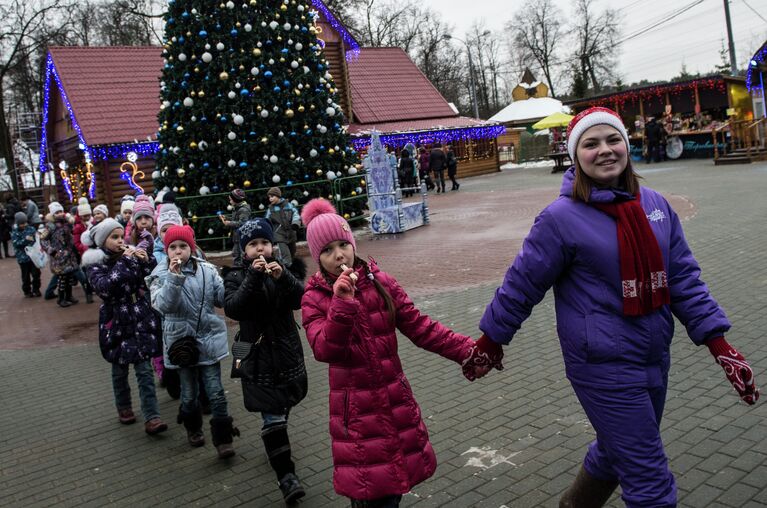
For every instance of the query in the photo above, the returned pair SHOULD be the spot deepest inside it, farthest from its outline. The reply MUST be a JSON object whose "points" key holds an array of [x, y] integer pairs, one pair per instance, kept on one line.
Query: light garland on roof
{"points": [[51, 71], [752, 83], [426, 137], [121, 151], [354, 48]]}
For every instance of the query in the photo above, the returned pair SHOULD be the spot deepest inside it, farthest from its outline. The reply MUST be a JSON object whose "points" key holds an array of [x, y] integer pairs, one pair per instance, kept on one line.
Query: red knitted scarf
{"points": [[644, 280]]}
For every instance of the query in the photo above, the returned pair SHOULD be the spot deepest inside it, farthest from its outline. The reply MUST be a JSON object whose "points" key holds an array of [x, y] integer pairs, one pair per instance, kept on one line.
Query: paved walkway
{"points": [[514, 439]]}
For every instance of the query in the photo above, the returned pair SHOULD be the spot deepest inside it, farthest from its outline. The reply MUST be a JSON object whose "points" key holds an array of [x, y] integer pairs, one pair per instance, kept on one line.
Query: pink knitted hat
{"points": [[143, 208], [324, 225]]}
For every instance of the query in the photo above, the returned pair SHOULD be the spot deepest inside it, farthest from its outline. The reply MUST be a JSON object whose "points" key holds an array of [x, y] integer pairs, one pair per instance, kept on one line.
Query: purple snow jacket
{"points": [[574, 247]]}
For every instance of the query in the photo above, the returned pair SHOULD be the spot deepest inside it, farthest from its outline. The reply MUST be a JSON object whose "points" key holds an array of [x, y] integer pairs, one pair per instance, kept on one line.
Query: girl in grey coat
{"points": [[186, 290]]}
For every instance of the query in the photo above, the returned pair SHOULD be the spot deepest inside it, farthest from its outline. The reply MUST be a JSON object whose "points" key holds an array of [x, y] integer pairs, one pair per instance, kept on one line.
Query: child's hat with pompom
{"points": [[323, 226], [144, 207]]}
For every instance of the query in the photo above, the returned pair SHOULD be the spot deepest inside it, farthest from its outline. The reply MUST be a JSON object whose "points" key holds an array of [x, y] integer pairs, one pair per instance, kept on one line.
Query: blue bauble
{"points": [[233, 33], [336, 126], [165, 151], [284, 51], [261, 67], [205, 165], [289, 183], [215, 189], [204, 119], [243, 165], [320, 67], [167, 66], [306, 177], [184, 14], [181, 39], [293, 134], [252, 134], [286, 83], [268, 74], [175, 125], [203, 34], [218, 27], [322, 147], [304, 29], [308, 132], [186, 75], [171, 21], [223, 119], [244, 92], [177, 104], [276, 89], [268, 42]]}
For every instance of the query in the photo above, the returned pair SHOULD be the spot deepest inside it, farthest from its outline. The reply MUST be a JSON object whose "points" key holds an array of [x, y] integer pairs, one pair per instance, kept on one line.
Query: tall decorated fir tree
{"points": [[248, 102]]}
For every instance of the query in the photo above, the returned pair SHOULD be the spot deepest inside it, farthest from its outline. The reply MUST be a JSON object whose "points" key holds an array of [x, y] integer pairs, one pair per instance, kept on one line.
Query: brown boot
{"points": [[587, 492], [223, 431], [155, 426]]}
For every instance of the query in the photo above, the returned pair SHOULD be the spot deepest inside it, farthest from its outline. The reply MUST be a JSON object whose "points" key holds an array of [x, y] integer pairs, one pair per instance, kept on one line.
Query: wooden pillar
{"points": [[617, 108], [668, 100], [107, 186], [697, 99], [641, 109], [469, 149]]}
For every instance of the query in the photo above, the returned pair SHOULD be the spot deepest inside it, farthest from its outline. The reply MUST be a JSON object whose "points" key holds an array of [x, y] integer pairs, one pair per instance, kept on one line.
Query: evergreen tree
{"points": [[580, 85], [248, 102]]}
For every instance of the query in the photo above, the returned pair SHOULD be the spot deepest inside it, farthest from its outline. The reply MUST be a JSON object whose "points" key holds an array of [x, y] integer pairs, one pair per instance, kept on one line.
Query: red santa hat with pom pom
{"points": [[323, 226]]}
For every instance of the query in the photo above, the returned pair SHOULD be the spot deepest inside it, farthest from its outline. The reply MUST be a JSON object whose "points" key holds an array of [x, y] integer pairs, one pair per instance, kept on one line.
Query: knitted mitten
{"points": [[737, 370], [484, 356]]}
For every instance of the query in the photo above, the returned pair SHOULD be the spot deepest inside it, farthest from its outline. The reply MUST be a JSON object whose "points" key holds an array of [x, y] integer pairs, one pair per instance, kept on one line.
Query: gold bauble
{"points": [[180, 128], [362, 182], [189, 34], [282, 60], [301, 109], [194, 219], [354, 193], [311, 107], [264, 140], [318, 172], [182, 189], [331, 151], [223, 76], [200, 94], [256, 52], [193, 94], [231, 185], [283, 7], [242, 67], [312, 30], [289, 112], [246, 183], [297, 91], [347, 216], [192, 145], [196, 69], [253, 3], [258, 88], [238, 25]]}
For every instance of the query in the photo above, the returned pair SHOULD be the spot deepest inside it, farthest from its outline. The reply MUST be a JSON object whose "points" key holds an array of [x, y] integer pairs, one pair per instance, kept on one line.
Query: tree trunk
{"points": [[6, 146]]}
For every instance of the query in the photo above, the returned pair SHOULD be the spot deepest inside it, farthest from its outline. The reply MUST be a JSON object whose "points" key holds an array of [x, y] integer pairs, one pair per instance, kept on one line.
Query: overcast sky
{"points": [[693, 38]]}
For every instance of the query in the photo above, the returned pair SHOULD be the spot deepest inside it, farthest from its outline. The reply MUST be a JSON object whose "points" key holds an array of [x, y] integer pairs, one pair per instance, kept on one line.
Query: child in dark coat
{"points": [[23, 235], [129, 330], [262, 294]]}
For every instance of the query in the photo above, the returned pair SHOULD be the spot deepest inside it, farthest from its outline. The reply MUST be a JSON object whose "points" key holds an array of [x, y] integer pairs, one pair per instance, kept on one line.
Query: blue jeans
{"points": [[271, 419], [211, 381], [78, 274], [145, 379]]}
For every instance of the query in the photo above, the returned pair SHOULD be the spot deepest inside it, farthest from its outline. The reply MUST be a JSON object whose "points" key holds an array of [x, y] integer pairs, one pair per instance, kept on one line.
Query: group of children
{"points": [[159, 297]]}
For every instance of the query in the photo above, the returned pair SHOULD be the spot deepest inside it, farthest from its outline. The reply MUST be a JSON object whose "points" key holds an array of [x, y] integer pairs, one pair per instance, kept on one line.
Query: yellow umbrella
{"points": [[553, 120]]}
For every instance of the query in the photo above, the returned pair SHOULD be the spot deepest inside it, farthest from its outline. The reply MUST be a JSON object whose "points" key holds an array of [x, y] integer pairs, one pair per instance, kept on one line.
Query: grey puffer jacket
{"points": [[187, 303]]}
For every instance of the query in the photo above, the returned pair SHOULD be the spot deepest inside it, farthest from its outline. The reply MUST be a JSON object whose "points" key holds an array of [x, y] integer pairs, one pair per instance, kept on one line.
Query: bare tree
{"points": [[536, 30], [24, 32], [597, 37], [390, 23]]}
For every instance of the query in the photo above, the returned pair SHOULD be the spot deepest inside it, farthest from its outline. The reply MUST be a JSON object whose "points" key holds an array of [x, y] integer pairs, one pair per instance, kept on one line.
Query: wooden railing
{"points": [[744, 135], [722, 129]]}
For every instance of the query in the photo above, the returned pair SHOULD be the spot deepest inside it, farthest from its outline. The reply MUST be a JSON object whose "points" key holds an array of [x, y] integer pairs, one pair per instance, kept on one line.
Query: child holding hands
{"points": [[351, 311], [186, 290], [262, 294], [128, 327]]}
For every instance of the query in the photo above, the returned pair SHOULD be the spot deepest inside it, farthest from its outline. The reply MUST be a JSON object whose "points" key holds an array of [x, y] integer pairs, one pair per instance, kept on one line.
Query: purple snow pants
{"points": [[628, 447]]}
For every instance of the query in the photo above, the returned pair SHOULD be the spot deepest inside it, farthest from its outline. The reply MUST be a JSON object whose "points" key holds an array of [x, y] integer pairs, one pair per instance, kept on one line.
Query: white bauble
{"points": [[210, 231], [175, 189], [306, 193], [194, 11], [313, 153], [176, 150], [231, 163], [231, 136], [273, 159], [254, 71], [156, 174], [294, 65], [264, 113], [229, 207], [261, 206], [207, 57], [299, 46], [231, 95], [238, 119], [331, 175], [286, 27], [202, 145], [276, 179], [281, 134], [263, 24], [352, 171], [166, 104], [193, 118], [230, 4], [237, 86], [330, 111], [204, 190], [294, 202], [220, 46], [323, 130], [191, 165], [271, 61], [275, 109], [248, 27], [300, 8], [306, 70], [207, 46], [273, 25], [182, 57], [188, 102]]}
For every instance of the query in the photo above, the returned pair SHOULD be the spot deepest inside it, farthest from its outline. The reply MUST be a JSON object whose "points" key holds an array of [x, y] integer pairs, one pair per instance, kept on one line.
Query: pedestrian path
{"points": [[514, 439]]}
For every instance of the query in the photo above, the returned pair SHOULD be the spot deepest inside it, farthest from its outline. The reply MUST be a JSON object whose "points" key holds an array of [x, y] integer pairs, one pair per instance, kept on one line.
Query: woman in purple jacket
{"points": [[621, 269]]}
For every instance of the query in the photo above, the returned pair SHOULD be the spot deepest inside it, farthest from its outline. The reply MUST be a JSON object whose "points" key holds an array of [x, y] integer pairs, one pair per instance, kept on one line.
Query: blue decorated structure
{"points": [[388, 213]]}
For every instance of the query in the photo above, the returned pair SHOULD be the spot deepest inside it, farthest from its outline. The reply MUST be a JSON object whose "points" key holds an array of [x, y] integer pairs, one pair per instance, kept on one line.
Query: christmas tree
{"points": [[247, 102]]}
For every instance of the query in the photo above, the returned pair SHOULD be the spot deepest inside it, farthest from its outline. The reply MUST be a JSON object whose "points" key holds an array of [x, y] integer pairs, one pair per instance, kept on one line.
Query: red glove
{"points": [[737, 370], [484, 356]]}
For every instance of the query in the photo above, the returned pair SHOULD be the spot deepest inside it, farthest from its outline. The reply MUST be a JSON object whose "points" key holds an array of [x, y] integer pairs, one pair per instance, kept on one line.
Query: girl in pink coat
{"points": [[380, 444]]}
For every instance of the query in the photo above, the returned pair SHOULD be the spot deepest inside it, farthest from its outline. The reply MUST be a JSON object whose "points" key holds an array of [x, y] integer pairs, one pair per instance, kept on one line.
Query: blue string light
{"points": [[112, 152], [354, 47], [752, 81], [425, 137]]}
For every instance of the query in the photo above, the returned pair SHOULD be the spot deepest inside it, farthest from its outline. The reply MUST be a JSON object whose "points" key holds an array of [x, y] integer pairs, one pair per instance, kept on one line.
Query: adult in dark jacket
{"points": [[5, 232], [406, 172], [437, 163], [621, 270], [30, 208], [285, 221], [423, 170], [452, 167], [262, 294], [653, 133]]}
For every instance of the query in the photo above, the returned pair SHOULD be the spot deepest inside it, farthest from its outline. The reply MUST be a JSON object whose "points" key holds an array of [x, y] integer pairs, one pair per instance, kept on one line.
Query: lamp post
{"points": [[472, 88]]}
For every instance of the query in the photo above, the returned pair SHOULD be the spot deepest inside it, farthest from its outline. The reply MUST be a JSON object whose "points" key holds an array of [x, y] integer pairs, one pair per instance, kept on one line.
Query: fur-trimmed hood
{"points": [[93, 257]]}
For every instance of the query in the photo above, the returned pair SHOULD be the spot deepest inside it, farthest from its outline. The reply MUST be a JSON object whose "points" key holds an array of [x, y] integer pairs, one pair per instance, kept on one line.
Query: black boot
{"points": [[587, 492], [277, 447], [62, 292], [223, 431], [193, 425], [172, 382], [69, 297], [88, 297]]}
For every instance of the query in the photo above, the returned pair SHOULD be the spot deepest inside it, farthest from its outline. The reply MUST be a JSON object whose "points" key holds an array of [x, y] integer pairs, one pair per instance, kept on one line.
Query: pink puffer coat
{"points": [[379, 441]]}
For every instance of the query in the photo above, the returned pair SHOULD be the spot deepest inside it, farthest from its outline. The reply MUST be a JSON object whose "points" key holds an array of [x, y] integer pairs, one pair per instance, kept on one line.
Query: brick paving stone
{"points": [[60, 442]]}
